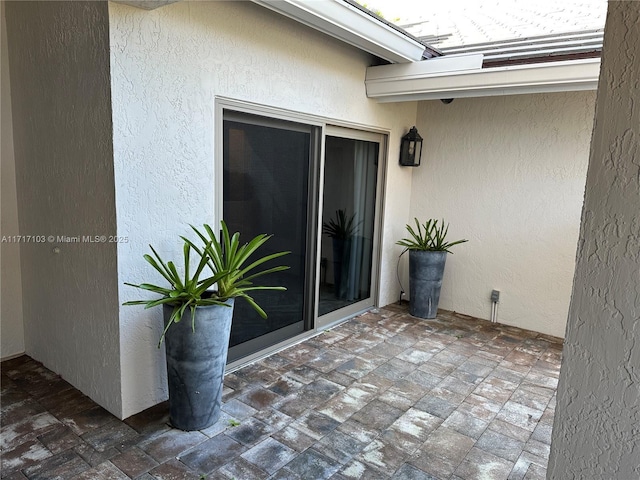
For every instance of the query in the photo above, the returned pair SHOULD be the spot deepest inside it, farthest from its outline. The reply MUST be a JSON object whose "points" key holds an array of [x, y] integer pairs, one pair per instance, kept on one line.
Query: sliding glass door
{"points": [[269, 188], [274, 181]]}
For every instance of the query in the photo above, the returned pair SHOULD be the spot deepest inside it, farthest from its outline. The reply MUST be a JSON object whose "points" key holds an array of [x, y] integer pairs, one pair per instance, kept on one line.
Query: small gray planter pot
{"points": [[425, 280], [195, 365]]}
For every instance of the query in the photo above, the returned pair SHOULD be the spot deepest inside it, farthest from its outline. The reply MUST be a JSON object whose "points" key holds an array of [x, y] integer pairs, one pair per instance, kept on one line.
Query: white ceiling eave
{"points": [[424, 81], [351, 25]]}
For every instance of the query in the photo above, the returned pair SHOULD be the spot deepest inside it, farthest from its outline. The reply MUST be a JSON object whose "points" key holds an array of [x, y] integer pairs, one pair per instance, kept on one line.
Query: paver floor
{"points": [[382, 396]]}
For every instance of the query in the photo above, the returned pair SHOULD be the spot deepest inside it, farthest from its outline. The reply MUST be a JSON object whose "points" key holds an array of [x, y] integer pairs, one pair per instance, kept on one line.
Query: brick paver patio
{"points": [[384, 395]]}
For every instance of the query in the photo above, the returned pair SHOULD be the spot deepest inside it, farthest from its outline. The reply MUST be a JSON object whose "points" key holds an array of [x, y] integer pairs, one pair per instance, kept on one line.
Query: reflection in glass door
{"points": [[348, 225]]}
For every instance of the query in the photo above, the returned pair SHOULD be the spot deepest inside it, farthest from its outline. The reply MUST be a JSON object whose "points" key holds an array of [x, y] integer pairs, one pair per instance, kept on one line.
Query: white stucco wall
{"points": [[508, 174], [59, 61], [168, 66], [595, 433], [11, 325]]}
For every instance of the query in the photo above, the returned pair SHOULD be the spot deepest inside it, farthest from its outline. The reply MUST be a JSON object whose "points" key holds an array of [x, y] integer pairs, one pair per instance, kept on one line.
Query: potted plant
{"points": [[428, 248], [341, 230], [198, 307]]}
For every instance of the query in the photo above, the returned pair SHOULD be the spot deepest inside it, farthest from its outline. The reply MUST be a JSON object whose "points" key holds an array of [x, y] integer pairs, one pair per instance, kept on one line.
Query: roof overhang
{"points": [[462, 76], [351, 25]]}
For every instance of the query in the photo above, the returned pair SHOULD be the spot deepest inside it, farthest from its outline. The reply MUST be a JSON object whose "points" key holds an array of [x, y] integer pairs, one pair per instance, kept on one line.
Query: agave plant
{"points": [[228, 274], [340, 227], [231, 257], [431, 236]]}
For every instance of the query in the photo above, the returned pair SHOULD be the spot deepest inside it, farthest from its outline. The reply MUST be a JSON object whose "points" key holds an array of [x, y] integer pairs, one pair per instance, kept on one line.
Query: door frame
{"points": [[329, 319], [330, 127]]}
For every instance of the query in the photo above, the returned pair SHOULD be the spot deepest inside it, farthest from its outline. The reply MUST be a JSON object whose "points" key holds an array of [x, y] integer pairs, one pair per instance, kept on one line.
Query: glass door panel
{"points": [[266, 190], [348, 226]]}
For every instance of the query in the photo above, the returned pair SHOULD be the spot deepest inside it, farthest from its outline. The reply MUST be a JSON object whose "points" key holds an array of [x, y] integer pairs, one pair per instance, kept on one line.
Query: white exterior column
{"points": [[596, 430]]}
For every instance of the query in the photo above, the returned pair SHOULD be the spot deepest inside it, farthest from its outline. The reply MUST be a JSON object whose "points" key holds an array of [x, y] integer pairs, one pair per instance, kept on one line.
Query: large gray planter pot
{"points": [[425, 281], [195, 365]]}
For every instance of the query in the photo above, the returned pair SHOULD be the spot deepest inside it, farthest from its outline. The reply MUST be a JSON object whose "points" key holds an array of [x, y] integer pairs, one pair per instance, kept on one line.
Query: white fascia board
{"points": [[445, 64], [387, 84], [351, 25]]}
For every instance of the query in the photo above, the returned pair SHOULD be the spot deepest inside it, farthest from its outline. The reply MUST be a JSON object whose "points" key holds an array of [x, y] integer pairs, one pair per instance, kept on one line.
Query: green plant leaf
{"points": [[266, 272], [160, 301], [430, 236], [255, 306], [151, 288], [136, 302], [212, 301], [178, 283], [160, 265]]}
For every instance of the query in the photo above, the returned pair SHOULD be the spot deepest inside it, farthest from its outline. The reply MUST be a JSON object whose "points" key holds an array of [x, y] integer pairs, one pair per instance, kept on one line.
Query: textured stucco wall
{"points": [[508, 174], [11, 325], [596, 430], [59, 60], [168, 65]]}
